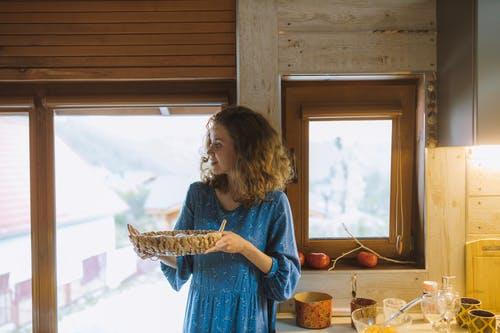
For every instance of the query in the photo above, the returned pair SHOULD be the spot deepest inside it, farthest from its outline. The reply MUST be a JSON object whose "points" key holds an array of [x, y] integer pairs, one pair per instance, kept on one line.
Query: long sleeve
{"points": [[178, 277], [280, 282]]}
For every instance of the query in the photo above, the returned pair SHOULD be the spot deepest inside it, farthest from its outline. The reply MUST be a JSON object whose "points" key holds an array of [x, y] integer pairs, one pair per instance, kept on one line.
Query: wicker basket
{"points": [[173, 243]]}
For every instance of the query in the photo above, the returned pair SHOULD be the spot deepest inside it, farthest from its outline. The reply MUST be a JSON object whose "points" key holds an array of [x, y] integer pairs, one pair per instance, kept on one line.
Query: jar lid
{"points": [[429, 286]]}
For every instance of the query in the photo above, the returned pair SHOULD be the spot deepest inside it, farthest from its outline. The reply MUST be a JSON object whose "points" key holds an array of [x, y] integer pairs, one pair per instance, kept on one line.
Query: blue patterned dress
{"points": [[228, 293]]}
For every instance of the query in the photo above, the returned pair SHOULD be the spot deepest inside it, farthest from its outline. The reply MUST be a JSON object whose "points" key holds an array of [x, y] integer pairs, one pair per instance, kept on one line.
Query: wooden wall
{"points": [[117, 40], [445, 187], [483, 192], [329, 37], [258, 79]]}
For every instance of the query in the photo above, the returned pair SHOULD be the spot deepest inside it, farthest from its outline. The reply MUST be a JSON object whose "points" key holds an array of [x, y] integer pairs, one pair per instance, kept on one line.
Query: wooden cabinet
{"points": [[482, 267], [468, 50]]}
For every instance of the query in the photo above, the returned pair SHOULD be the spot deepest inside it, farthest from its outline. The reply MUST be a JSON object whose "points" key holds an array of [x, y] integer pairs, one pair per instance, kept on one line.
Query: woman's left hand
{"points": [[230, 243]]}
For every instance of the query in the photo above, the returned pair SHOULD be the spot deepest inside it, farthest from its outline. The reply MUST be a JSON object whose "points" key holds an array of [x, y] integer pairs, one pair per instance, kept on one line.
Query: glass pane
{"points": [[349, 178], [110, 171], [15, 226]]}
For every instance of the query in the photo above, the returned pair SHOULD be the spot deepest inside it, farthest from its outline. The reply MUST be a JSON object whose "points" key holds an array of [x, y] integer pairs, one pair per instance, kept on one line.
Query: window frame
{"points": [[40, 100], [305, 101]]}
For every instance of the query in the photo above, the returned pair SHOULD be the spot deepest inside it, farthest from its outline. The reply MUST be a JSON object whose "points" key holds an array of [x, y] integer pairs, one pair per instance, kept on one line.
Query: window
{"points": [[349, 177], [15, 228], [112, 170], [354, 146]]}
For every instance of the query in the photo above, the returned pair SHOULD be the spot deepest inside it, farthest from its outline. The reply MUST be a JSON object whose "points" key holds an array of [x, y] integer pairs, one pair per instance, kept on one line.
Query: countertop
{"points": [[286, 323]]}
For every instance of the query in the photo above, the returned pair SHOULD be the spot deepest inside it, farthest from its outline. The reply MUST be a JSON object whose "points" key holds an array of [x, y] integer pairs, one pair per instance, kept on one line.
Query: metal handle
{"points": [[354, 285], [403, 309], [222, 225]]}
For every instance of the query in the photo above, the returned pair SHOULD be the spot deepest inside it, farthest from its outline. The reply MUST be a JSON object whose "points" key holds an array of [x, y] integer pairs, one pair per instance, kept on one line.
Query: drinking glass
{"points": [[392, 305], [431, 310], [448, 304]]}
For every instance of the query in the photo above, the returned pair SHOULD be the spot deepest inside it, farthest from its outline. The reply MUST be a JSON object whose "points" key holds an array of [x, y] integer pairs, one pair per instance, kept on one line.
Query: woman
{"points": [[236, 284]]}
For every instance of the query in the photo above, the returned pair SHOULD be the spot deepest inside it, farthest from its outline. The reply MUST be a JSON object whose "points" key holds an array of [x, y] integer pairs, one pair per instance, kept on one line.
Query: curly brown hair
{"points": [[262, 162]]}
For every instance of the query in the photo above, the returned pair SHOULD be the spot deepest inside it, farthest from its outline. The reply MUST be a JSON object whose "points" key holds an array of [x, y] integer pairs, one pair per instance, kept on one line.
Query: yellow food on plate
{"points": [[380, 329]]}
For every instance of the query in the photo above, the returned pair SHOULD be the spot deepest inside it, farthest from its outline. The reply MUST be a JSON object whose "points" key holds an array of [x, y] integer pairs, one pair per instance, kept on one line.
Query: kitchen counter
{"points": [[286, 323]]}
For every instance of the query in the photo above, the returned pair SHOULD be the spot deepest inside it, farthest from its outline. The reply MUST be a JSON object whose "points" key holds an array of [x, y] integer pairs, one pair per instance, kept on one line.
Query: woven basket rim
{"points": [[175, 233]]}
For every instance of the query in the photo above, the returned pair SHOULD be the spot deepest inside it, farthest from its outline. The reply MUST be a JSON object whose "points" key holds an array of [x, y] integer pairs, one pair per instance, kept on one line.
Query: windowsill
{"points": [[352, 266]]}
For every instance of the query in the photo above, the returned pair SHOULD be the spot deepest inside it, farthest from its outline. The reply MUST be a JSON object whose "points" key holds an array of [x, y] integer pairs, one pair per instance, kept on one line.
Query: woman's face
{"points": [[221, 151]]}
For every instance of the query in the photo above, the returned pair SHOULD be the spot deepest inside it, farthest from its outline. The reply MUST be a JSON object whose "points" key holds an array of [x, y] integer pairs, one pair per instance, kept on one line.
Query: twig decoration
{"points": [[361, 246]]}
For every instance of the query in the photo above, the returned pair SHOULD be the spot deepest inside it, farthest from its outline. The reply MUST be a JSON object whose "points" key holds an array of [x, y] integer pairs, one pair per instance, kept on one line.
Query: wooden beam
{"points": [[96, 101], [117, 74], [359, 15], [114, 28], [113, 39], [356, 52], [43, 219], [115, 6], [13, 103], [258, 78]]}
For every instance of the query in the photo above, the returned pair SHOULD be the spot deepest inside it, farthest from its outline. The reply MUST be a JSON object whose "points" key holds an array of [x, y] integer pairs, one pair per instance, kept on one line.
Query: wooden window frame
{"points": [[305, 101], [40, 100]]}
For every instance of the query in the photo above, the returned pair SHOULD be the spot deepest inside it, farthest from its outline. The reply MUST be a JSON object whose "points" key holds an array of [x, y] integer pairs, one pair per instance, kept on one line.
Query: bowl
{"points": [[371, 320], [313, 309]]}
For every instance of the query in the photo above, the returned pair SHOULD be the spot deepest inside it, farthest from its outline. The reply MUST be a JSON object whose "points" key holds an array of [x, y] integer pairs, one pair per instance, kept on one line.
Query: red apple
{"points": [[317, 260], [302, 258], [367, 259]]}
